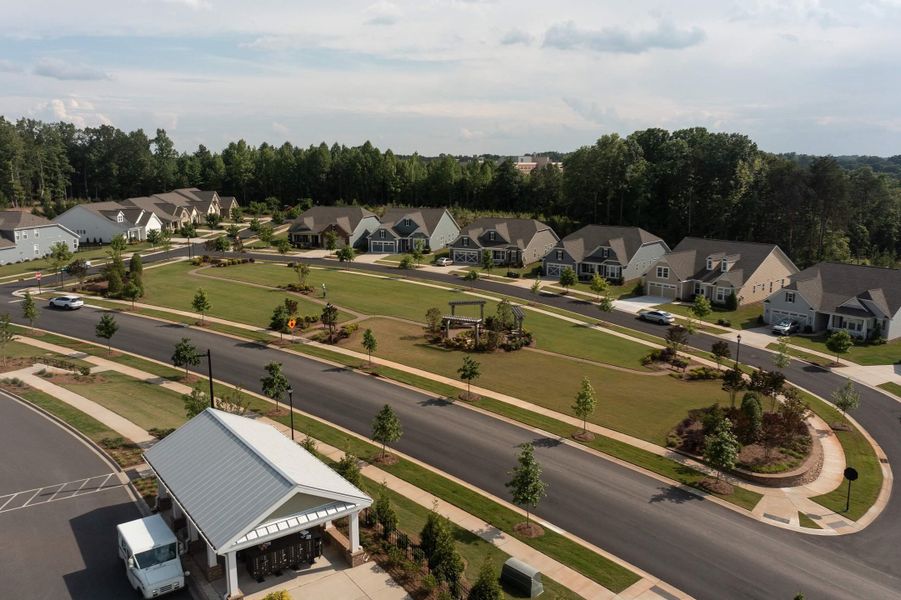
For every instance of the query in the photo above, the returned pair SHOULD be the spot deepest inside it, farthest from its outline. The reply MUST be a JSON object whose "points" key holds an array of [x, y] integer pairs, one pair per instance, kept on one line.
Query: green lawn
{"points": [[144, 404], [891, 387], [627, 290], [44, 265], [745, 317], [807, 356], [173, 287], [20, 350], [865, 354], [644, 406], [807, 522]]}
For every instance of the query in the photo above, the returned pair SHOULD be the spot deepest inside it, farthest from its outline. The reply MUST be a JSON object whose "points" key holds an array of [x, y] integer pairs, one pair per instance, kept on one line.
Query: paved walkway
{"points": [[648, 587]]}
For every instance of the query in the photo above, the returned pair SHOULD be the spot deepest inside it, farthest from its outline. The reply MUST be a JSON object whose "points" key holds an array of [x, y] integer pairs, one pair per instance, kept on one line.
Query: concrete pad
{"points": [[639, 303]]}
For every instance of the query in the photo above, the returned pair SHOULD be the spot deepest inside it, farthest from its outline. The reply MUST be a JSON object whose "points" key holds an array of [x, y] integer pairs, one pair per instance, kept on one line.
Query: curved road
{"points": [[702, 548]]}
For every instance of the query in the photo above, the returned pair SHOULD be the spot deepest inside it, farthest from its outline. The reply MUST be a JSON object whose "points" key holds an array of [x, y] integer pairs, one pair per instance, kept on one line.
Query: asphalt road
{"points": [[59, 506], [702, 548]]}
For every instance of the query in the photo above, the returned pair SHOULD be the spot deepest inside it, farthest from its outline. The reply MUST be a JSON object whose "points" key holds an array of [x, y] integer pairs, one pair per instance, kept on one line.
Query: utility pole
{"points": [[291, 403], [209, 364]]}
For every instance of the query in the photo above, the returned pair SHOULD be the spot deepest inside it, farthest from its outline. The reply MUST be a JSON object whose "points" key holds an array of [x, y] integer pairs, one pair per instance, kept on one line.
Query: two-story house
{"points": [[402, 228], [24, 236], [350, 224], [510, 242], [863, 300], [100, 222], [616, 253], [719, 268]]}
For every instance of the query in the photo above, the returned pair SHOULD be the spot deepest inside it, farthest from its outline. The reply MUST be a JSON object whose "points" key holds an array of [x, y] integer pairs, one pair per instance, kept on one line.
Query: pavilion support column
{"points": [[355, 555], [211, 558], [192, 532], [233, 592], [161, 491], [176, 511]]}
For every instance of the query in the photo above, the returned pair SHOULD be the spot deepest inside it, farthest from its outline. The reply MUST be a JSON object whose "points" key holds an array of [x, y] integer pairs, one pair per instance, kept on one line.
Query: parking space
{"points": [[639, 303]]}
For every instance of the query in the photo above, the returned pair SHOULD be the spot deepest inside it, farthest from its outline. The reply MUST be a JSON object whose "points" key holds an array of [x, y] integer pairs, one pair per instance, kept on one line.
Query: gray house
{"points": [[864, 301], [510, 242], [401, 228], [24, 236], [350, 224], [100, 222], [616, 253]]}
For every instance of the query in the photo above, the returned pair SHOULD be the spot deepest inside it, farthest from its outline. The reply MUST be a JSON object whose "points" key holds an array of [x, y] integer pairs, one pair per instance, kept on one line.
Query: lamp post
{"points": [[209, 364], [738, 350], [291, 404]]}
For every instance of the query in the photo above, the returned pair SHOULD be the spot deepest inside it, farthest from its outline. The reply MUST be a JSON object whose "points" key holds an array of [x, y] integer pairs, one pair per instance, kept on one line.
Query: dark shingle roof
{"points": [[426, 219], [826, 286], [625, 241], [316, 219], [12, 219], [515, 232], [689, 259]]}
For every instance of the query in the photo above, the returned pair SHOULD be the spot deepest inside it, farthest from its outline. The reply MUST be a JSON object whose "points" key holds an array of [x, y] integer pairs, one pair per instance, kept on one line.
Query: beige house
{"points": [[719, 268]]}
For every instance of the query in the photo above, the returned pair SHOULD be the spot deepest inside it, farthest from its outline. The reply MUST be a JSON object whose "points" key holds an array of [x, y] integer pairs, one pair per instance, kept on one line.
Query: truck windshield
{"points": [[157, 556]]}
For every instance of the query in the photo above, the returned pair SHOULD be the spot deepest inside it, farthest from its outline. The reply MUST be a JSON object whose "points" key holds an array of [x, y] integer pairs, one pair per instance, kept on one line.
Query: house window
{"points": [[724, 265], [698, 288], [587, 268], [709, 264], [37, 233], [500, 255], [721, 294], [559, 254], [663, 272], [24, 235], [17, 236], [771, 287], [406, 222], [381, 234], [790, 297], [465, 242], [491, 236], [119, 218]]}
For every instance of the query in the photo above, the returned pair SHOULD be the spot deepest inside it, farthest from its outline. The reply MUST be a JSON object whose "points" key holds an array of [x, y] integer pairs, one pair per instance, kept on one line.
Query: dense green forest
{"points": [[686, 182]]}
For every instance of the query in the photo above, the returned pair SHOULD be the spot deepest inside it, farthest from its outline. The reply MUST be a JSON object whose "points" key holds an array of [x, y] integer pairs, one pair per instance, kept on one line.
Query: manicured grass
{"points": [[745, 317], [172, 286], [642, 405], [21, 350], [144, 404], [614, 291], [864, 354], [806, 356], [807, 522], [44, 265], [891, 387]]}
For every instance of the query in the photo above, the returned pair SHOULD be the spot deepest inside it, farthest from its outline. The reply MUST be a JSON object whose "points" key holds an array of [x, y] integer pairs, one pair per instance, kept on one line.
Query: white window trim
{"points": [[663, 272], [790, 297]]}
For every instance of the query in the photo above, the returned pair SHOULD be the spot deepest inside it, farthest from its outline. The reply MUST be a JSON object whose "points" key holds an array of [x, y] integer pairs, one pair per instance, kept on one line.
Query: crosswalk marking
{"points": [[89, 485]]}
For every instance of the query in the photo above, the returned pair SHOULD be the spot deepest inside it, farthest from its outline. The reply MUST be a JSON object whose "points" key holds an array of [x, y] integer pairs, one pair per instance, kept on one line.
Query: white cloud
{"points": [[383, 12], [517, 36], [8, 66], [569, 36], [72, 110], [193, 4], [66, 71]]}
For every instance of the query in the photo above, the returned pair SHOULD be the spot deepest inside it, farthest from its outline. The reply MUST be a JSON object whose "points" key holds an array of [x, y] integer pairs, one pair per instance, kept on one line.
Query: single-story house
{"points": [[401, 228], [719, 268], [236, 486], [100, 222], [172, 215], [616, 253], [350, 224], [510, 242], [226, 206], [863, 300], [206, 202], [24, 236]]}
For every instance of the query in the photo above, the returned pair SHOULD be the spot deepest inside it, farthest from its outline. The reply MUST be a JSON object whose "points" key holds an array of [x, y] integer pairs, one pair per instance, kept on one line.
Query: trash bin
{"points": [[521, 577]]}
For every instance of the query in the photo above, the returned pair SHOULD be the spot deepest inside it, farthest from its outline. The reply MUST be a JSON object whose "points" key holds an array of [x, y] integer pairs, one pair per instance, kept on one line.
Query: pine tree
{"points": [[136, 273]]}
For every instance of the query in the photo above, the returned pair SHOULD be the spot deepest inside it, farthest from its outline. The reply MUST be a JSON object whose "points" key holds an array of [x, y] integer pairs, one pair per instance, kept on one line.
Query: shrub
{"points": [[673, 440], [159, 433], [279, 595], [679, 363], [471, 275], [395, 555], [429, 583], [724, 322], [704, 373], [658, 355], [513, 274]]}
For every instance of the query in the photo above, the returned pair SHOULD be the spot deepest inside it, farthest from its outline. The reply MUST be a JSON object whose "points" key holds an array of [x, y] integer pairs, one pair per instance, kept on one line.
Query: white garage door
{"points": [[664, 290], [778, 315], [384, 247], [554, 269], [466, 257]]}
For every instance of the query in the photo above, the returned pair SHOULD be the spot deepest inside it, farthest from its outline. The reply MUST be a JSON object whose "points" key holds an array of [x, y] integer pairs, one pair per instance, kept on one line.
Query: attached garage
{"points": [[466, 257], [778, 315], [663, 290], [554, 269], [382, 247]]}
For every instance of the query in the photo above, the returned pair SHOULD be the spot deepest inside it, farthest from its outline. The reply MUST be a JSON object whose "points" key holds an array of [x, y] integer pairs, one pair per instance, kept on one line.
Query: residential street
{"points": [[697, 546]]}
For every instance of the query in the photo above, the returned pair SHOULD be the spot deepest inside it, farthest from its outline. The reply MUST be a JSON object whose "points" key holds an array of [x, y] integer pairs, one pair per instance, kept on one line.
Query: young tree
{"points": [[115, 282], [166, 240], [369, 343], [329, 318], [700, 308], [29, 310], [195, 402], [536, 287], [136, 272], [753, 412], [599, 286], [384, 512], [185, 355], [275, 384], [232, 230], [733, 382], [406, 262], [153, 237], [331, 240], [676, 337], [782, 358], [525, 484], [386, 428], [487, 585], [839, 342], [201, 304], [349, 468], [469, 372], [433, 319], [237, 214], [445, 562], [6, 335], [345, 254], [721, 448], [279, 320], [302, 270], [846, 397], [212, 221], [117, 246], [291, 306], [78, 269], [131, 292], [283, 246], [486, 262], [60, 255], [265, 233], [503, 316], [605, 304], [431, 532], [585, 403], [568, 278], [418, 251], [721, 351], [106, 329], [221, 244], [255, 225], [732, 301]]}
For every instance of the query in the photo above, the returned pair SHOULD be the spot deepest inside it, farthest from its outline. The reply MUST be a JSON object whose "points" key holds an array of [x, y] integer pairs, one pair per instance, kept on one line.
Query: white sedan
{"points": [[67, 302], [444, 262]]}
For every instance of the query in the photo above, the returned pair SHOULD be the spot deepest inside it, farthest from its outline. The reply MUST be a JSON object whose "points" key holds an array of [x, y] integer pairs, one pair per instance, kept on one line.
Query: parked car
{"points": [[66, 302], [786, 327], [444, 262], [657, 316]]}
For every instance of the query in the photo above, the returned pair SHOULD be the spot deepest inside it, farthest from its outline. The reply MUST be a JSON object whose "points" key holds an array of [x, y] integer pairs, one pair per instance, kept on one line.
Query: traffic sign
{"points": [[292, 323], [851, 474], [37, 275]]}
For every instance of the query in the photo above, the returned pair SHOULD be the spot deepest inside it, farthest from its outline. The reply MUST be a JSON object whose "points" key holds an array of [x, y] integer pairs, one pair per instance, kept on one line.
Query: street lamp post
{"points": [[209, 364], [291, 404], [738, 350]]}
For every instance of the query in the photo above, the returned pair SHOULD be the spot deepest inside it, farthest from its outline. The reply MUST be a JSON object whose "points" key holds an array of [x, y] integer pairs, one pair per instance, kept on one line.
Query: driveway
{"points": [[639, 303]]}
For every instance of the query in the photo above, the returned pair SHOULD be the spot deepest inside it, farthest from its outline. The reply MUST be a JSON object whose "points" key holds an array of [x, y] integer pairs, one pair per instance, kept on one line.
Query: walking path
{"points": [[648, 588]]}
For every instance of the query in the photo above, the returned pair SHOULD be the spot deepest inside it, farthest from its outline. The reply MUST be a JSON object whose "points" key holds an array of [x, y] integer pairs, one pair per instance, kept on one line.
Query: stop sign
{"points": [[38, 276]]}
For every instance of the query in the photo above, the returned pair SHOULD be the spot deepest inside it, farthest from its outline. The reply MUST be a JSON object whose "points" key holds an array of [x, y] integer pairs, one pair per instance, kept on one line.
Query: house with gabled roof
{"points": [[509, 242], [100, 222], [205, 202], [401, 228], [616, 253], [351, 225], [718, 269], [24, 236], [173, 210], [236, 485], [864, 301]]}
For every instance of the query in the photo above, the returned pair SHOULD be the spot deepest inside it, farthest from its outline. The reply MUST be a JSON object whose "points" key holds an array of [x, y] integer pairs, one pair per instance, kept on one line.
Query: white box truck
{"points": [[151, 554]]}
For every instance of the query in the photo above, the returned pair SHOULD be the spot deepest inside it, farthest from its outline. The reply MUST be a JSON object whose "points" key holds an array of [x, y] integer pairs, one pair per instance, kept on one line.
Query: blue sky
{"points": [[461, 76]]}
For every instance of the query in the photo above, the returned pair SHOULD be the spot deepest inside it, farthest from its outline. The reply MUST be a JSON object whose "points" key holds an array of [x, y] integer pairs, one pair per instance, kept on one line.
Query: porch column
{"points": [[211, 559], [231, 576], [176, 511], [354, 532], [161, 491], [192, 532]]}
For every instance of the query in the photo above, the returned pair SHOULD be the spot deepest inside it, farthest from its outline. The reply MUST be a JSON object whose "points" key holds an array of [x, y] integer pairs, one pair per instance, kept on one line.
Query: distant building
{"points": [[100, 222], [24, 236], [527, 164], [401, 228], [350, 224], [616, 253], [509, 242]]}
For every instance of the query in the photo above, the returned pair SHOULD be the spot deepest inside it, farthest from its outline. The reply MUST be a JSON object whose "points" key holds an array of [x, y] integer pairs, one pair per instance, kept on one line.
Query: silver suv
{"points": [[786, 327]]}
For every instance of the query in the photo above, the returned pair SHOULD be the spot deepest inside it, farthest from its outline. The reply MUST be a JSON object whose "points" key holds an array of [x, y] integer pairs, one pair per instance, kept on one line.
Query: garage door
{"points": [[466, 257], [664, 290], [383, 247], [778, 315], [554, 269]]}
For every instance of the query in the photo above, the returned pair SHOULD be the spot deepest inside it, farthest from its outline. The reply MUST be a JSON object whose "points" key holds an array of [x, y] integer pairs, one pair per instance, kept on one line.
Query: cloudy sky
{"points": [[461, 76]]}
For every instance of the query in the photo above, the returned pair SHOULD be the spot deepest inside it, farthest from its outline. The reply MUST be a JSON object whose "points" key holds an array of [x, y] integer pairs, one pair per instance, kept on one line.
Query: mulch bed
{"points": [[840, 426], [717, 486], [14, 364], [468, 397], [73, 378], [583, 436], [387, 459], [528, 530]]}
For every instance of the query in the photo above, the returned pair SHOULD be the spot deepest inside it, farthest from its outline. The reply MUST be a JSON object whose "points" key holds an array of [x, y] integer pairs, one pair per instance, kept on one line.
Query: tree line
{"points": [[685, 182]]}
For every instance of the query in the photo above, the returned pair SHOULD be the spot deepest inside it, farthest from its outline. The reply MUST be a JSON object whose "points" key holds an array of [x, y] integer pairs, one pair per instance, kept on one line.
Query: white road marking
{"points": [[58, 487]]}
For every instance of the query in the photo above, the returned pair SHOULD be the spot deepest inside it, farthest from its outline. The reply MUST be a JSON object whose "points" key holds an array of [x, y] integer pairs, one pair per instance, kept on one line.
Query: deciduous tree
{"points": [[6, 335], [721, 448], [839, 342], [60, 255], [274, 383], [386, 428], [106, 329], [185, 355], [201, 304], [846, 397], [585, 403], [568, 278], [721, 351], [29, 310], [525, 483], [369, 343], [469, 372]]}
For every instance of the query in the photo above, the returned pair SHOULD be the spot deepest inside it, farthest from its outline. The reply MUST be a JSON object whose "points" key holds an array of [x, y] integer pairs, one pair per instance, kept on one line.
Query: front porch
{"points": [[613, 273]]}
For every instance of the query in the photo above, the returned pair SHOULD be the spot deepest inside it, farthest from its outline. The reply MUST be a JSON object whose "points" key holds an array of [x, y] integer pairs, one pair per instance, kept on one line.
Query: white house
{"points": [[100, 222]]}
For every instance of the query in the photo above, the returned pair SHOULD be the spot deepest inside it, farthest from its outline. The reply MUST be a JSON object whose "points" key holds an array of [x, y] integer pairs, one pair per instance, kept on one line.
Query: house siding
{"points": [[360, 235], [894, 327], [446, 231], [772, 275], [539, 246], [96, 228], [643, 259], [38, 243], [776, 308]]}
